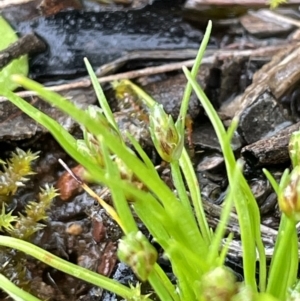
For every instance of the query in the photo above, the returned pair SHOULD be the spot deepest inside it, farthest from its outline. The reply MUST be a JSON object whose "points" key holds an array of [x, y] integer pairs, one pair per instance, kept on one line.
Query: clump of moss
{"points": [[35, 211], [14, 174], [275, 3]]}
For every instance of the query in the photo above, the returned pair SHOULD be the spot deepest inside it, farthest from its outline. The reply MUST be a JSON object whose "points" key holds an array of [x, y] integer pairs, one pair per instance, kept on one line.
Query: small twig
{"points": [[251, 3], [109, 209], [27, 44], [70, 172], [275, 17], [264, 52]]}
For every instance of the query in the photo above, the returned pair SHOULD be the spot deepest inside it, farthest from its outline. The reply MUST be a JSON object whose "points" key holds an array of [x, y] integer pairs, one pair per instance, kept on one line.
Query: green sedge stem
{"points": [[101, 97], [185, 162], [188, 171], [193, 185], [272, 180], [180, 187], [147, 99], [255, 215], [184, 273], [15, 292], [195, 69], [225, 216], [159, 287], [281, 260], [167, 283], [293, 271], [248, 223], [66, 267], [117, 193], [224, 250]]}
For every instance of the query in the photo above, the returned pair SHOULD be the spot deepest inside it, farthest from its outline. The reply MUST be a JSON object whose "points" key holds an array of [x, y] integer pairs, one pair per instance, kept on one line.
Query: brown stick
{"points": [[234, 2], [27, 44], [265, 52]]}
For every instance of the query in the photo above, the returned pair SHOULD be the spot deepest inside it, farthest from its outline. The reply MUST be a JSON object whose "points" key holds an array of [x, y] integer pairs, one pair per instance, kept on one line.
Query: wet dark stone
{"points": [[105, 36], [205, 138], [16, 125], [262, 119], [210, 162], [68, 211], [261, 109], [169, 93]]}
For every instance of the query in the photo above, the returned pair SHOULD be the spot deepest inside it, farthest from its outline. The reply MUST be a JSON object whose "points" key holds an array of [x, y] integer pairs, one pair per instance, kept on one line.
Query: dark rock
{"points": [[169, 93], [262, 110], [16, 125], [205, 138], [105, 36], [262, 118]]}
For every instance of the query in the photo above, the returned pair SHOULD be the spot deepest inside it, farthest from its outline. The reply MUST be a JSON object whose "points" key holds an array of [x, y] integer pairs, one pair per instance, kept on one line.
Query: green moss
{"points": [[15, 173]]}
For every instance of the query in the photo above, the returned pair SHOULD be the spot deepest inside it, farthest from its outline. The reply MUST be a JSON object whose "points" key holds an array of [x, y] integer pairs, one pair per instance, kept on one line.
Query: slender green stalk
{"points": [[293, 271], [180, 187], [246, 221], [100, 95], [272, 181], [147, 99], [66, 267], [188, 171], [161, 289], [15, 292], [167, 283], [225, 216], [255, 222], [185, 162], [194, 264], [141, 152], [224, 250], [195, 69], [118, 196], [281, 260], [185, 275], [194, 189], [184, 230]]}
